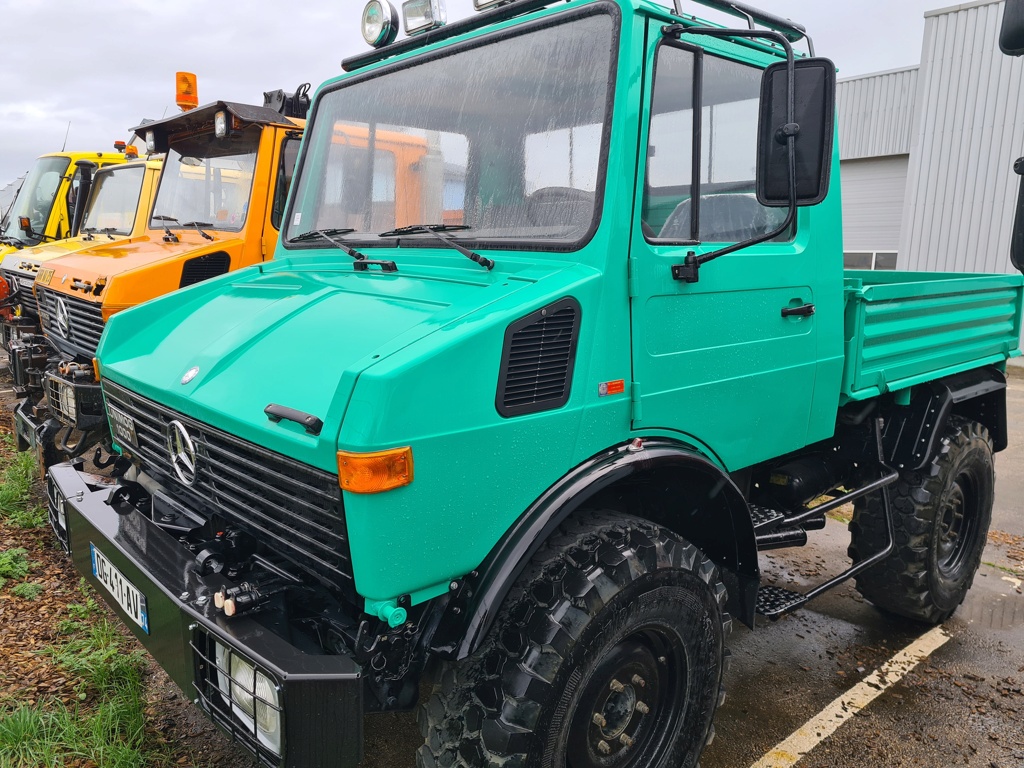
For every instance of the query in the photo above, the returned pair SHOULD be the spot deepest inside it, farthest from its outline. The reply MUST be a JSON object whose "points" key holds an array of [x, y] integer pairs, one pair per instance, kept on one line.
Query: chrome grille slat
{"points": [[86, 321], [291, 507]]}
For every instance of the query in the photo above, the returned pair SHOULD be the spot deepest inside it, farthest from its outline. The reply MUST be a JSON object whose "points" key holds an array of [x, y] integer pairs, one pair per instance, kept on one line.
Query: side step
{"points": [[776, 602]]}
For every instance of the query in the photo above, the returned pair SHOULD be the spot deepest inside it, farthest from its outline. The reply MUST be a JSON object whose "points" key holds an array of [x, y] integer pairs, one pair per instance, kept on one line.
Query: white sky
{"points": [[105, 65]]}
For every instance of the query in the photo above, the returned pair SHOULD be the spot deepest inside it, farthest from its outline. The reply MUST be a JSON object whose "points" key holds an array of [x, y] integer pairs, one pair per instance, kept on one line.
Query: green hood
{"points": [[280, 334]]}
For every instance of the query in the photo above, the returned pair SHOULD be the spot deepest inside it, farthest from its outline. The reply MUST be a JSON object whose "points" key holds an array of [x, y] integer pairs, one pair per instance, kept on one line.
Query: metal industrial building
{"points": [[927, 152]]}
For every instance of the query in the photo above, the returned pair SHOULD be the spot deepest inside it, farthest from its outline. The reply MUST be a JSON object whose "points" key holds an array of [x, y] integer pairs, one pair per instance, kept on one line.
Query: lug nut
{"points": [[625, 740], [599, 720], [637, 680], [617, 686], [604, 747], [642, 708]]}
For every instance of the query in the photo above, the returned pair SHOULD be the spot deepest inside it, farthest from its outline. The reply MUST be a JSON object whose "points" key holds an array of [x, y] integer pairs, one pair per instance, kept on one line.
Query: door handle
{"points": [[805, 311]]}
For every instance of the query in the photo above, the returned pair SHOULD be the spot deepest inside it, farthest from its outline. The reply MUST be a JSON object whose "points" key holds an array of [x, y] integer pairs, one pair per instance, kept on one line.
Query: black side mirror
{"points": [[1011, 36], [813, 125], [86, 168]]}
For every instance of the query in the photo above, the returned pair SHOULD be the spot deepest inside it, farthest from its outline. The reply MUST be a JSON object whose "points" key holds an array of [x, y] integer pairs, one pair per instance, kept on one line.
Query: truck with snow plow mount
{"points": [[520, 456]]}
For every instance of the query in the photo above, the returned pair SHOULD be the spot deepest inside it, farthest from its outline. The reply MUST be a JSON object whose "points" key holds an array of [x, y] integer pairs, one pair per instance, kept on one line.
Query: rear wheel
{"points": [[607, 654], [942, 515]]}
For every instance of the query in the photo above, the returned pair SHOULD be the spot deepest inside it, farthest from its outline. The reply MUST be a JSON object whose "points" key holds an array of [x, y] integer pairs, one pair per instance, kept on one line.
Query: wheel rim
{"points": [[632, 705], [958, 525]]}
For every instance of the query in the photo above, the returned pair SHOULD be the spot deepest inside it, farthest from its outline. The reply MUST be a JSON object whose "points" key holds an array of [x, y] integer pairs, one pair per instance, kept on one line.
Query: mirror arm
{"points": [[1017, 235], [689, 270]]}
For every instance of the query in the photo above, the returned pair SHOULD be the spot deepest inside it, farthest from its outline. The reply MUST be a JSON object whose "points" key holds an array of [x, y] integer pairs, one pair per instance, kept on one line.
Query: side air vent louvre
{"points": [[537, 360], [204, 267]]}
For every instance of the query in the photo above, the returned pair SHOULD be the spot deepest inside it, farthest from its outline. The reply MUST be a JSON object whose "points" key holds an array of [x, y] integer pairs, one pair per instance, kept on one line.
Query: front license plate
{"points": [[131, 600], [124, 426]]}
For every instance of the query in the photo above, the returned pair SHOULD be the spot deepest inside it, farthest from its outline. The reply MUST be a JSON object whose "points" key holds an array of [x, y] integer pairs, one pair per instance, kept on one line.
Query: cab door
{"points": [[729, 360]]}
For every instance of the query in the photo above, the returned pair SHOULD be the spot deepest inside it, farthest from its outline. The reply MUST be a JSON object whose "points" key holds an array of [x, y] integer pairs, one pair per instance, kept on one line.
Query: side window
{"points": [[72, 194], [285, 170], [712, 199]]}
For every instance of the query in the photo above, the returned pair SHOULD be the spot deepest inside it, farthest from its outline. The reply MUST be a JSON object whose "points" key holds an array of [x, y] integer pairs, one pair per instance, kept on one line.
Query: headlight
{"points": [[423, 15], [220, 124], [150, 142], [253, 697], [62, 398], [379, 23]]}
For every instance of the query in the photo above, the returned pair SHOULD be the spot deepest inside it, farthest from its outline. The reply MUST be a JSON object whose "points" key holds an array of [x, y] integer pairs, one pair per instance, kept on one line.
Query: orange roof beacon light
{"points": [[120, 146], [187, 93], [131, 152], [374, 472]]}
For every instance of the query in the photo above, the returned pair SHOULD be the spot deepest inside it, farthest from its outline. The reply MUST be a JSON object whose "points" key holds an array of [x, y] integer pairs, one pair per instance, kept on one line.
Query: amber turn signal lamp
{"points": [[96, 368], [374, 472], [187, 91]]}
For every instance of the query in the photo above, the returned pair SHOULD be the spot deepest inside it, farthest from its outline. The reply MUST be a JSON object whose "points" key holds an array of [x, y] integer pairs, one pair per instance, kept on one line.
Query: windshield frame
{"points": [[97, 187], [168, 171], [551, 17], [40, 236]]}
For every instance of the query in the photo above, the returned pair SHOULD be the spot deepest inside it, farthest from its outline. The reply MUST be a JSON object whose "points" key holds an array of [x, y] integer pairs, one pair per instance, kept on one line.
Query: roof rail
{"points": [[752, 15]]}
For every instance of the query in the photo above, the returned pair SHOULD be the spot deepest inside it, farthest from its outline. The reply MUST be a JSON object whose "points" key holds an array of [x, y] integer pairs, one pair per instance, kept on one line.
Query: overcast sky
{"points": [[119, 56]]}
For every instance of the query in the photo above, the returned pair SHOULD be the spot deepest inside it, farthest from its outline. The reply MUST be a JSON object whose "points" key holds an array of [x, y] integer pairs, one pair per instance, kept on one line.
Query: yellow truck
{"points": [[116, 213], [43, 208], [217, 208]]}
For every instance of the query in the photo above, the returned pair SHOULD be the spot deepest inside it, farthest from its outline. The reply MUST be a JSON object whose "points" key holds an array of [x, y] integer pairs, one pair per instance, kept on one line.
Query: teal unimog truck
{"points": [[522, 458]]}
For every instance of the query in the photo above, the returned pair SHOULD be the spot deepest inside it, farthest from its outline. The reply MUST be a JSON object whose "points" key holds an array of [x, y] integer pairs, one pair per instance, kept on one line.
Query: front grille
{"points": [[22, 286], [214, 684], [57, 514], [204, 267], [290, 507], [85, 322]]}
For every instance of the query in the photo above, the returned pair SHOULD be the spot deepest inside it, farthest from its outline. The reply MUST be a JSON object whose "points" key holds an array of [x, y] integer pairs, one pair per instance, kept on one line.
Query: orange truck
{"points": [[218, 207]]}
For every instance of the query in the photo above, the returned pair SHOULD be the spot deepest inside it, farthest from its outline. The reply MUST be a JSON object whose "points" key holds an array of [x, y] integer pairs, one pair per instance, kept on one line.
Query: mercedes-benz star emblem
{"points": [[190, 374], [182, 452], [63, 318]]}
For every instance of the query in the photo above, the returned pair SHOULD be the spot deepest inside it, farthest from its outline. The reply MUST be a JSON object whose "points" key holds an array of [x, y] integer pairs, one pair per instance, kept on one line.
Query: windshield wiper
{"points": [[105, 231], [362, 263], [197, 225], [169, 237], [10, 240], [326, 234], [438, 230]]}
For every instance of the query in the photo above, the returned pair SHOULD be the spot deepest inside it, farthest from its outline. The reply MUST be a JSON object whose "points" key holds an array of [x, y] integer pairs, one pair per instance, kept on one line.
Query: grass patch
{"points": [[14, 564], [16, 481], [27, 590], [107, 727]]}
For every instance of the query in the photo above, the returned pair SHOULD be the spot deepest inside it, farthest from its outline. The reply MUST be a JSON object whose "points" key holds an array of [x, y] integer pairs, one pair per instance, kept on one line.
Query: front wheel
{"points": [[941, 519], [608, 653]]}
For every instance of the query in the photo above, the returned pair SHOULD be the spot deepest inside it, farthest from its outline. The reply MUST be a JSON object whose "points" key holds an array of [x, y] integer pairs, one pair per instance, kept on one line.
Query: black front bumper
{"points": [[319, 696]]}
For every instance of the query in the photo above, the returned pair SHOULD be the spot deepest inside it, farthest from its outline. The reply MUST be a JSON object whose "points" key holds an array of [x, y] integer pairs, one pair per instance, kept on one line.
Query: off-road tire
{"points": [[599, 596], [936, 556]]}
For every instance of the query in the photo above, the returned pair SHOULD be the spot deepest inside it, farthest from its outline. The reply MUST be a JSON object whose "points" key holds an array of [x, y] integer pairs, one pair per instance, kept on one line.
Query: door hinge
{"points": [[263, 248], [636, 406], [634, 278]]}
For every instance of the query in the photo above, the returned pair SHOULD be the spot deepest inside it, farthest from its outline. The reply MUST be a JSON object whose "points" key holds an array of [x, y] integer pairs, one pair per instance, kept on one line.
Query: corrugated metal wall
{"points": [[970, 129], [873, 192], [876, 114]]}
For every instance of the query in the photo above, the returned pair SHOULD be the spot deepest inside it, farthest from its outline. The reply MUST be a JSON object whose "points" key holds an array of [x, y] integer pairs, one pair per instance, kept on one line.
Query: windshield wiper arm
{"points": [[197, 225], [105, 231], [169, 237], [326, 234], [438, 230]]}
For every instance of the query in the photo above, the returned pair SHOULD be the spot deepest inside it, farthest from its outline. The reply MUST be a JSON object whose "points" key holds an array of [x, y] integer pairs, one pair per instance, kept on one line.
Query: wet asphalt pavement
{"points": [[962, 706]]}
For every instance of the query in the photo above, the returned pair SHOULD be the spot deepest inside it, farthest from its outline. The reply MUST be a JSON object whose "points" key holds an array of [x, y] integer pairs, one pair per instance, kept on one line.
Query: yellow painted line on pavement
{"points": [[789, 752]]}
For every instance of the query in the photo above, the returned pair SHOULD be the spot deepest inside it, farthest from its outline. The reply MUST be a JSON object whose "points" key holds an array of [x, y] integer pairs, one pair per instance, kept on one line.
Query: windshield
{"points": [[505, 139], [36, 199], [206, 181], [114, 201], [7, 195]]}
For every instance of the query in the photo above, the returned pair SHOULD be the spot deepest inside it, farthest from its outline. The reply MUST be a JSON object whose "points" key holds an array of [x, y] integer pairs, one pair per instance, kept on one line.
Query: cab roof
{"points": [[196, 118]]}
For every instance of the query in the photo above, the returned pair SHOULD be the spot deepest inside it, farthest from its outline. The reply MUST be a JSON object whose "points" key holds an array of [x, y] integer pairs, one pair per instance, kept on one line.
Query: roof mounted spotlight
{"points": [[379, 23], [423, 15]]}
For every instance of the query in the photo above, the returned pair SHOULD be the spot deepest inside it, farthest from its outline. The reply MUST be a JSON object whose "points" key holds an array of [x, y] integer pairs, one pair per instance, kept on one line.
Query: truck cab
{"points": [[519, 454], [117, 210], [43, 208]]}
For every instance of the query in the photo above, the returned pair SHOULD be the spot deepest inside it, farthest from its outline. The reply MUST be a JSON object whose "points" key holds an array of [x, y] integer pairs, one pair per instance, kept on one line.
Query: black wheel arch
{"points": [[670, 481], [913, 432]]}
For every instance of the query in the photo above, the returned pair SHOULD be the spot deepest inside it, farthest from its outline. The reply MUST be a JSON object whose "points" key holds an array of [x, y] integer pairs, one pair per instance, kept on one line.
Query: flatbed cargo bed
{"points": [[906, 328]]}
